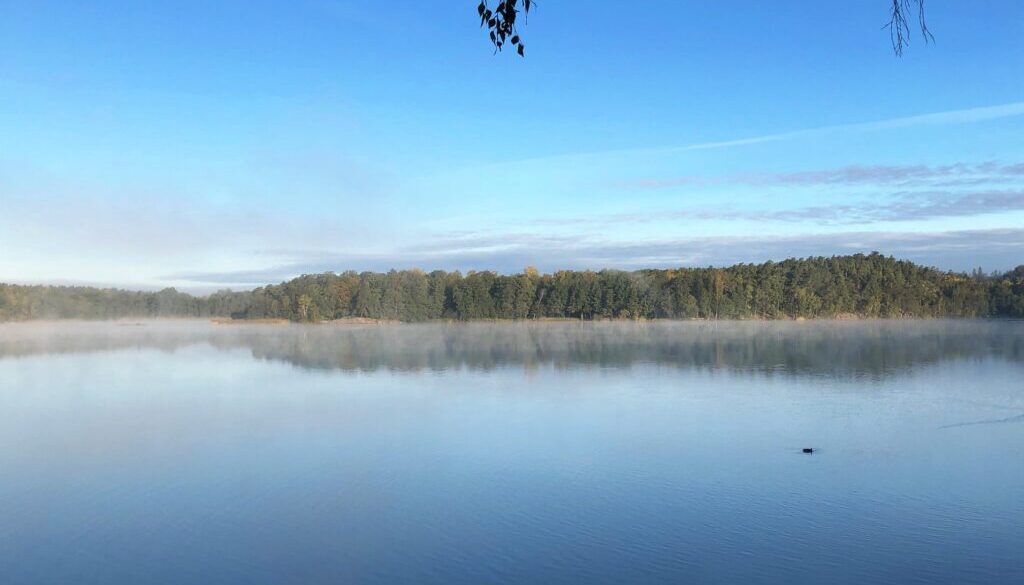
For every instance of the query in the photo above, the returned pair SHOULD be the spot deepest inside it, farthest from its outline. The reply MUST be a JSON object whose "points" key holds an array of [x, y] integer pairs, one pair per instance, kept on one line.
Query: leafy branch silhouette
{"points": [[501, 23]]}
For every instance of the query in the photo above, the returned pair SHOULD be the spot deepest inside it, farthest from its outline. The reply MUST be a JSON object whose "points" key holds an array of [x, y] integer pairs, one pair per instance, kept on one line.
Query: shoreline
{"points": [[365, 321]]}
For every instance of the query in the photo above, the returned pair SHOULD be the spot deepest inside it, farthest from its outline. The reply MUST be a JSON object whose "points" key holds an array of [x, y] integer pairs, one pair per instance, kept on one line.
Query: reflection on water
{"points": [[858, 349], [599, 453]]}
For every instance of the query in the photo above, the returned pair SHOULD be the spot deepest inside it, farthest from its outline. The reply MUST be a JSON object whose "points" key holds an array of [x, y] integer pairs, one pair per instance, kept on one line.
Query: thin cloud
{"points": [[965, 116], [960, 250], [905, 175], [906, 205], [949, 117]]}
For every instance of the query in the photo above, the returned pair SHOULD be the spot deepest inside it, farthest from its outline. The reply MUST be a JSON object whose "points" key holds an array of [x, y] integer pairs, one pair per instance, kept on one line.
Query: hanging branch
{"points": [[501, 22], [899, 26]]}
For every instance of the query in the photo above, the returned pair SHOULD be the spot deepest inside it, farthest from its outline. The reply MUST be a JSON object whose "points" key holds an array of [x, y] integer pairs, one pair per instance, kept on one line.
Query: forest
{"points": [[860, 285]]}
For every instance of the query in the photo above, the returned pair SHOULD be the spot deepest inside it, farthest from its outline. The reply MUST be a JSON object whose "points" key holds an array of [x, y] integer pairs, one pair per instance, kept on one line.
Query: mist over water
{"points": [[183, 452], [875, 348]]}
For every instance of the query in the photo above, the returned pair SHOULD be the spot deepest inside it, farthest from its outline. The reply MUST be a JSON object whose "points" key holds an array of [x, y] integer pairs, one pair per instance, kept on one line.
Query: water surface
{"points": [[186, 452]]}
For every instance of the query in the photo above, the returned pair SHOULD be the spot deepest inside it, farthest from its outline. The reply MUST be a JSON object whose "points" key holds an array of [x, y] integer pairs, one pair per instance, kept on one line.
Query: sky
{"points": [[228, 144]]}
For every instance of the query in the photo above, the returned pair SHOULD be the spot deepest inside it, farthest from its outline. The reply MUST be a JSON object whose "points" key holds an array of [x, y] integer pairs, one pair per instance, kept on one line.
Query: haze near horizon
{"points": [[235, 144]]}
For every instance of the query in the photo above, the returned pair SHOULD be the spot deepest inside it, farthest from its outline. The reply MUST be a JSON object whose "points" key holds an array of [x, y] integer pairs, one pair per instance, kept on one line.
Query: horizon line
{"points": [[155, 289]]}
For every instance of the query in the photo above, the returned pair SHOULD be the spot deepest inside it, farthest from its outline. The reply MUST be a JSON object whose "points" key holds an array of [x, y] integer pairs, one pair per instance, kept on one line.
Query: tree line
{"points": [[862, 285]]}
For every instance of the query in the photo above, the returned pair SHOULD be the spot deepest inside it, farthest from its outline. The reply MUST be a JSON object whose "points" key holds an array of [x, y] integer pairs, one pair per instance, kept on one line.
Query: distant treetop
{"points": [[861, 285]]}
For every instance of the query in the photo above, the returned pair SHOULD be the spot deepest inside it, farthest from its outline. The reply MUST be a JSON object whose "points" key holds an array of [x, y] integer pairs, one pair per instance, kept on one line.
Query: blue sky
{"points": [[227, 144]]}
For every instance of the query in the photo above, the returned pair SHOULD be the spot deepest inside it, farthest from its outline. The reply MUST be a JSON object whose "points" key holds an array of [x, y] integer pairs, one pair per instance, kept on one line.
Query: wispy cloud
{"points": [[949, 117], [1000, 248], [965, 116], [961, 173], [904, 205]]}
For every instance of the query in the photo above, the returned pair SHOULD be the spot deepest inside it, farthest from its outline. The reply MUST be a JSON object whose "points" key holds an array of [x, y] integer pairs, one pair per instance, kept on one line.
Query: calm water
{"points": [[523, 453]]}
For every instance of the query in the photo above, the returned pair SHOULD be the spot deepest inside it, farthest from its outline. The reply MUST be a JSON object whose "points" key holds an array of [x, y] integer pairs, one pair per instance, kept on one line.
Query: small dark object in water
{"points": [[808, 450]]}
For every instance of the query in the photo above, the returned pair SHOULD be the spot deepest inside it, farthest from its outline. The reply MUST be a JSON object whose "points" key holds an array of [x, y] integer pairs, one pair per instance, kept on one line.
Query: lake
{"points": [[188, 452]]}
